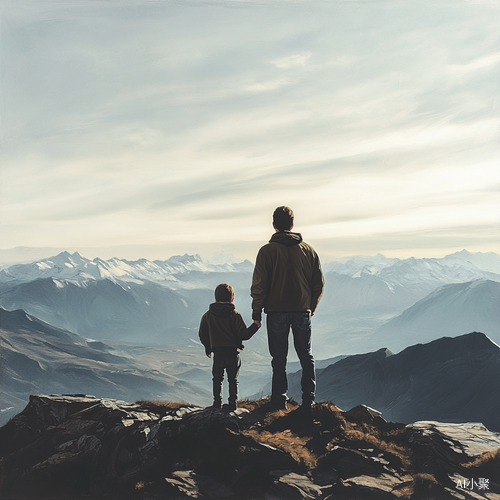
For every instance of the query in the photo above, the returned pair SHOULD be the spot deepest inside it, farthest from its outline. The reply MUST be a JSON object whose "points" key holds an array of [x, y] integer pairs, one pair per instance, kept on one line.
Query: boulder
{"points": [[364, 413], [194, 485], [294, 485], [347, 462], [453, 442], [382, 485]]}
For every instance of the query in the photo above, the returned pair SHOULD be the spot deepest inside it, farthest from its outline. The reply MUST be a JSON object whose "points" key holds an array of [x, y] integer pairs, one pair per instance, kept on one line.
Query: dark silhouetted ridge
{"points": [[452, 379]]}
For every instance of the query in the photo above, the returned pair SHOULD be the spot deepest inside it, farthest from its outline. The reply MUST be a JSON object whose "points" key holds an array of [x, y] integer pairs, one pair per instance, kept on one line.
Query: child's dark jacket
{"points": [[222, 328]]}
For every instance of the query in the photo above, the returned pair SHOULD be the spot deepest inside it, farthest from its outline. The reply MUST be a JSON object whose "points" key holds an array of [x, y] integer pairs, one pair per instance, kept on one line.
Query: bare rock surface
{"points": [[295, 485], [193, 485], [364, 412], [468, 439], [79, 447], [384, 483]]}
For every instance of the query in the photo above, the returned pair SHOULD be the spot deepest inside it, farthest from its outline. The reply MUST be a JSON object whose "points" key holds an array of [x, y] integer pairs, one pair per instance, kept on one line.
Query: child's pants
{"points": [[229, 361]]}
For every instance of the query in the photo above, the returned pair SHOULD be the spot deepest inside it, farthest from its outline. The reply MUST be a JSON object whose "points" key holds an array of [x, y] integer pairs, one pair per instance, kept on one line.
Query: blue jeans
{"points": [[278, 329]]}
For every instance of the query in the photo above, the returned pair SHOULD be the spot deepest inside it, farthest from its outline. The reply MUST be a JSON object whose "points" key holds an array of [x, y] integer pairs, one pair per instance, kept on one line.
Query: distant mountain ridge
{"points": [[458, 267], [452, 309], [37, 357], [116, 298], [148, 301], [74, 267]]}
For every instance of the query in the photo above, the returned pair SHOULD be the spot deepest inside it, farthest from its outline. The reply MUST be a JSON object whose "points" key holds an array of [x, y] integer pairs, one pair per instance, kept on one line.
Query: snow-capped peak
{"points": [[76, 268]]}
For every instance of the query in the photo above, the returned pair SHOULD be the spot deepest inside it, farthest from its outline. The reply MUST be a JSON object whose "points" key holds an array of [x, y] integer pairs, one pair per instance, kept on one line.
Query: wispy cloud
{"points": [[292, 61], [125, 122], [267, 86]]}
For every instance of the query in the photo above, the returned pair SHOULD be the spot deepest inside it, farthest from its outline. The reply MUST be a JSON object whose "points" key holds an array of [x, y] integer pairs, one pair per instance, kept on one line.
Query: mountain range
{"points": [[116, 299], [454, 268], [66, 266], [161, 301], [459, 266]]}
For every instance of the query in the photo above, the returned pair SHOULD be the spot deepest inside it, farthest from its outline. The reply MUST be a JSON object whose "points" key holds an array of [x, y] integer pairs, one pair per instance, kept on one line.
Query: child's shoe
{"points": [[216, 405], [230, 406]]}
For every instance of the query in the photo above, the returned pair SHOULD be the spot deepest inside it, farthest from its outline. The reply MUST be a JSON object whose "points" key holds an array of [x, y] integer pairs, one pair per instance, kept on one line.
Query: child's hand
{"points": [[257, 322]]}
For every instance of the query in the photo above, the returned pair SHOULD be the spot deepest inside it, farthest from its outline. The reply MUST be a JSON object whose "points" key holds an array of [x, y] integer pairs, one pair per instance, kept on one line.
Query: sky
{"points": [[154, 128]]}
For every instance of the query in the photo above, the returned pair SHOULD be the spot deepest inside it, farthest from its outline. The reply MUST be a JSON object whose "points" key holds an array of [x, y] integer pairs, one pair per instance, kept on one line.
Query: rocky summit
{"points": [[81, 447]]}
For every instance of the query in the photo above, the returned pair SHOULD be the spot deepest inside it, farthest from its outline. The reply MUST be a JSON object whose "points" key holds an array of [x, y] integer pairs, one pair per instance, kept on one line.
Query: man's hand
{"points": [[257, 322], [208, 353]]}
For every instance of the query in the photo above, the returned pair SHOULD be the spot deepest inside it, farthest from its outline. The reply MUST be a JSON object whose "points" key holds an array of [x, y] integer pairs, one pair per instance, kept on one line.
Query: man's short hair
{"points": [[283, 218], [224, 293]]}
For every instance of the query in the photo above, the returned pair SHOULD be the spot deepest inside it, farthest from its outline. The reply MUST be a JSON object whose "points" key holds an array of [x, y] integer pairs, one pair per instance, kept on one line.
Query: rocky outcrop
{"points": [[80, 446], [454, 441]]}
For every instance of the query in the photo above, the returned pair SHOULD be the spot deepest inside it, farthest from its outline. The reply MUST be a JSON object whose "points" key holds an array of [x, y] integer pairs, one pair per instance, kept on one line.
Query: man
{"points": [[288, 283]]}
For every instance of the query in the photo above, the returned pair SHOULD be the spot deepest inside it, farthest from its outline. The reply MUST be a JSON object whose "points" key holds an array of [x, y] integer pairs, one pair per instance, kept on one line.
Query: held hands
{"points": [[257, 322]]}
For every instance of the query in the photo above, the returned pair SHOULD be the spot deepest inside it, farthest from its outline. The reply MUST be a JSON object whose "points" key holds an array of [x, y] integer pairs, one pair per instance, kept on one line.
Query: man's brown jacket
{"points": [[287, 276]]}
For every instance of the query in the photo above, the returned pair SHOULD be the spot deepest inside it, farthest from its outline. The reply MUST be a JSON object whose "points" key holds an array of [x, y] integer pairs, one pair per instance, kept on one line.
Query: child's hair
{"points": [[224, 293]]}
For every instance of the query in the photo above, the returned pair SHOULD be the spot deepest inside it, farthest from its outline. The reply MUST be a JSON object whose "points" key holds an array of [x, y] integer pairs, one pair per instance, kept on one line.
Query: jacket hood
{"points": [[286, 238], [221, 308]]}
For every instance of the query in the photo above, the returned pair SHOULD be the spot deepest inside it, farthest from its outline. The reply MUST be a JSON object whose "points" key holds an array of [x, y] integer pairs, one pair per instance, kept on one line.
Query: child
{"points": [[221, 331]]}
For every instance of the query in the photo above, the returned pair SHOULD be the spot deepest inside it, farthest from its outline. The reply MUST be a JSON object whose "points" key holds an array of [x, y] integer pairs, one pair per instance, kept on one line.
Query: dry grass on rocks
{"points": [[164, 406], [486, 465], [288, 442], [419, 487], [309, 437], [370, 437]]}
